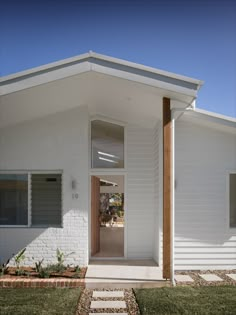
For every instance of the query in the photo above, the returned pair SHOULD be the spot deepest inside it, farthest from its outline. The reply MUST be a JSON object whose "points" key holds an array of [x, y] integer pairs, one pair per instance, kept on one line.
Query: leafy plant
{"points": [[38, 265], [20, 272], [77, 269], [56, 267], [44, 272], [19, 258], [4, 267], [61, 257]]}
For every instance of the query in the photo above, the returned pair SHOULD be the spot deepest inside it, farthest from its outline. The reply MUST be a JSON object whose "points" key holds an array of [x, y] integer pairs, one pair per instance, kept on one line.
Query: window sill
{"points": [[31, 227]]}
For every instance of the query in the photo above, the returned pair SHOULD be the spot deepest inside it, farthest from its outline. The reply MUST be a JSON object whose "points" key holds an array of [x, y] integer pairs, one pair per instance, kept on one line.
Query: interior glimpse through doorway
{"points": [[107, 216]]}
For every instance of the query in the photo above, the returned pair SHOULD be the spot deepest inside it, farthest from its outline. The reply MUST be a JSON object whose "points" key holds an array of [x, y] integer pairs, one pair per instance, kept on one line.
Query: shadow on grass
{"points": [[219, 300]]}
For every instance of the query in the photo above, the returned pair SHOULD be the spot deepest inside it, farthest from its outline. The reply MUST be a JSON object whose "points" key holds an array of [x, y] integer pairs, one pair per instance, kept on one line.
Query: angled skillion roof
{"points": [[99, 63]]}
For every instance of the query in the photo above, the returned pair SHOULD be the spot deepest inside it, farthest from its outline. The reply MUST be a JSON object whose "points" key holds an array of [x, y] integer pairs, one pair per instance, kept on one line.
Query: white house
{"points": [[91, 126]]}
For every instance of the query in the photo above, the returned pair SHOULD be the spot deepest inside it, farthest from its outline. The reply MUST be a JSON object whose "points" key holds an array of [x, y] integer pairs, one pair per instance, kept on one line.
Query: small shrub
{"points": [[61, 256], [56, 268], [38, 265], [20, 272], [4, 267], [77, 269], [44, 272], [19, 258]]}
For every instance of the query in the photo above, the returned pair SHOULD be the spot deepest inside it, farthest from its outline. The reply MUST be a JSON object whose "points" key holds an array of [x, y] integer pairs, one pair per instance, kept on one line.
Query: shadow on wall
{"points": [[42, 243]]}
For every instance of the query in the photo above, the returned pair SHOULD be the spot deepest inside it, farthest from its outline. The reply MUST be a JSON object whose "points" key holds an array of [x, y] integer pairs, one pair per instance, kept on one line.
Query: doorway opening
{"points": [[107, 216]]}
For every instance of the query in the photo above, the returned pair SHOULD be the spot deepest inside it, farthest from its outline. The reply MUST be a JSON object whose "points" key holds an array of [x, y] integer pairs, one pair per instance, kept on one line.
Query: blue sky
{"points": [[193, 38]]}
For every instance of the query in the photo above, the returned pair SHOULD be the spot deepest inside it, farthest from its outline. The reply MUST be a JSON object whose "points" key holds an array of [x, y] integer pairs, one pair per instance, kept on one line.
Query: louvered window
{"points": [[30, 199], [46, 199]]}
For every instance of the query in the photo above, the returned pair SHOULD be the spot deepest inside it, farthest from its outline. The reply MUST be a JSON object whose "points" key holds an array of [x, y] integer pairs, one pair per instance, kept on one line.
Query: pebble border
{"points": [[42, 283]]}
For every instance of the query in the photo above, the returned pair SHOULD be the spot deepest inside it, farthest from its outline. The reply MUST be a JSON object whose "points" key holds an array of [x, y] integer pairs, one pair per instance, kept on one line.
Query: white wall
{"points": [[56, 142], [141, 191], [157, 246], [204, 155]]}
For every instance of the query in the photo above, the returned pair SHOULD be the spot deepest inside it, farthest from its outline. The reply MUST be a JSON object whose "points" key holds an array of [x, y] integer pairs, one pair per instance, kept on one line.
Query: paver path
{"points": [[106, 301], [109, 302], [217, 277]]}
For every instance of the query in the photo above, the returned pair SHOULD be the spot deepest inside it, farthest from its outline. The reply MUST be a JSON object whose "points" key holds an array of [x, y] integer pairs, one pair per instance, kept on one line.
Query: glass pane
{"points": [[46, 199], [13, 199], [232, 200], [107, 145]]}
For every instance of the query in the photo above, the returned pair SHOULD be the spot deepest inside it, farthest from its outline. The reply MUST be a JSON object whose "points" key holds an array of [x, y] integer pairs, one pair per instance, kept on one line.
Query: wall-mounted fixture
{"points": [[73, 184]]}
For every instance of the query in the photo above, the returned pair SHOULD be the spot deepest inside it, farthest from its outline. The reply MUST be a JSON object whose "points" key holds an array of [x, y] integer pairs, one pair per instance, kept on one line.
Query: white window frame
{"points": [[111, 121], [29, 208], [109, 171], [231, 228]]}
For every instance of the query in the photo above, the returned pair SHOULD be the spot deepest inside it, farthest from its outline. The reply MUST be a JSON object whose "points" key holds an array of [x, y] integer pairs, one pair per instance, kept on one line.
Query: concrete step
{"points": [[95, 283]]}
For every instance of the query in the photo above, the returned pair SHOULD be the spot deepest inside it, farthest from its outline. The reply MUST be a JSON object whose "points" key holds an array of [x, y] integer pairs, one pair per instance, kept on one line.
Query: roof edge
{"points": [[91, 55], [213, 117]]}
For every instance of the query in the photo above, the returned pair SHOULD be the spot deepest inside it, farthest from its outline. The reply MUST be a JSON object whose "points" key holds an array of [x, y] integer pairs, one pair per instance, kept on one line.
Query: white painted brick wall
{"points": [[56, 142]]}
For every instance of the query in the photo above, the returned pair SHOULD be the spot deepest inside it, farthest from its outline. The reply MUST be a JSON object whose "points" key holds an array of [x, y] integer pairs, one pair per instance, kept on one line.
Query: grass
{"points": [[39, 301], [218, 300]]}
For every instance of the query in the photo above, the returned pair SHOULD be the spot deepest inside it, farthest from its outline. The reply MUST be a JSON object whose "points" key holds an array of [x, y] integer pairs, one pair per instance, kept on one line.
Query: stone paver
{"points": [[210, 277], [108, 313], [183, 278], [231, 275], [107, 304], [108, 294]]}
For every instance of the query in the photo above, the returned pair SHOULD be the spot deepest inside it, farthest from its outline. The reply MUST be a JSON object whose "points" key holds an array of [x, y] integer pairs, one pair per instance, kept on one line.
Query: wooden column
{"points": [[167, 171], [95, 213]]}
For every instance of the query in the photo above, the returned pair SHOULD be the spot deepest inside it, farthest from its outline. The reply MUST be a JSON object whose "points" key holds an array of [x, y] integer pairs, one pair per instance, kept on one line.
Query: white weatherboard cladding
{"points": [[56, 142], [141, 188], [203, 239], [158, 191]]}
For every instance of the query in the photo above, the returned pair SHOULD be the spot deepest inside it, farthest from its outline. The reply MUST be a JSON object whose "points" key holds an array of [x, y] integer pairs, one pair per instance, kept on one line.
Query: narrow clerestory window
{"points": [[107, 145]]}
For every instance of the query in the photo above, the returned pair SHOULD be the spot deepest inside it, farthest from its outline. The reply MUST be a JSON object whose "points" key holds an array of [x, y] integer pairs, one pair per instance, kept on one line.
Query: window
{"points": [[232, 199], [107, 145], [44, 194], [13, 199], [46, 199]]}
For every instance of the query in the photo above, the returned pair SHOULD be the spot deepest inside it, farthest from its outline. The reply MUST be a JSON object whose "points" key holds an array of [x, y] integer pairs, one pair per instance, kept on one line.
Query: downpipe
{"points": [[173, 200]]}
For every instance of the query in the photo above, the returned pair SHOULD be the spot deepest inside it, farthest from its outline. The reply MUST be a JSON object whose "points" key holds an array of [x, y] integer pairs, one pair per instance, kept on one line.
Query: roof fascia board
{"points": [[83, 67], [213, 117], [45, 77], [50, 66], [144, 80], [146, 68], [80, 58], [96, 59]]}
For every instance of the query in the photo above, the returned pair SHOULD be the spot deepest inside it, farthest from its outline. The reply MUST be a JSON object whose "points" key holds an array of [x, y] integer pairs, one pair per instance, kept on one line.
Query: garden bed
{"points": [[30, 273]]}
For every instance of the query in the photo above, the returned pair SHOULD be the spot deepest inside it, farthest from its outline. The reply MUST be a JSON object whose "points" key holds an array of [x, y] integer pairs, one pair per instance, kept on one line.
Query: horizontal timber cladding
{"points": [[140, 191], [46, 204], [204, 156]]}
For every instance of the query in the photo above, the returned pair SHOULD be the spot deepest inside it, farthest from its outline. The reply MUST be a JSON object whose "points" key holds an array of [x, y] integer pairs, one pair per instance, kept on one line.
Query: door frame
{"points": [[109, 172]]}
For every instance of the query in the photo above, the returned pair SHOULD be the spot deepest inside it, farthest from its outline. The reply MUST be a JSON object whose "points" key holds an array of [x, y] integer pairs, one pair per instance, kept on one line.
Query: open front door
{"points": [[95, 212]]}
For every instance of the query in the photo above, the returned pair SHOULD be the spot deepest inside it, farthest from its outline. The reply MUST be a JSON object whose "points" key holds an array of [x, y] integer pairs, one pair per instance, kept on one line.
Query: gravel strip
{"points": [[86, 298], [198, 281]]}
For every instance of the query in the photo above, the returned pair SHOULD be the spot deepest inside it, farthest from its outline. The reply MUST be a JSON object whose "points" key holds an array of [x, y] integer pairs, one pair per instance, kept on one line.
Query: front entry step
{"points": [[115, 274]]}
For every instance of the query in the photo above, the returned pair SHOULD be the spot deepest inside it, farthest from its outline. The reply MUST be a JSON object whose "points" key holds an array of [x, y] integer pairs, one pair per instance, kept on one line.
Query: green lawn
{"points": [[38, 301], [219, 300]]}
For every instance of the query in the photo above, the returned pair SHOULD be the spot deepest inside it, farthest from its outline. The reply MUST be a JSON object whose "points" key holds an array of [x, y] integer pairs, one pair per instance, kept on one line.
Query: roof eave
{"points": [[97, 60]]}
